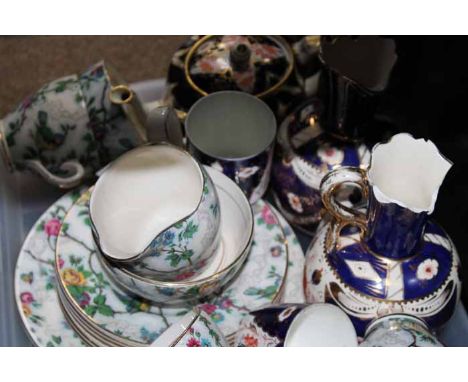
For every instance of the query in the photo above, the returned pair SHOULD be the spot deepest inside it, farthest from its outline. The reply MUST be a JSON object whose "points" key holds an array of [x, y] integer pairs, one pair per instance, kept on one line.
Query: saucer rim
{"points": [[94, 323], [67, 198], [213, 277]]}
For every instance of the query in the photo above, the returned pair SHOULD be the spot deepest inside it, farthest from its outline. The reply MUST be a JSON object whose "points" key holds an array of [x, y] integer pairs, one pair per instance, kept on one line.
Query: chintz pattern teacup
{"points": [[73, 126], [195, 329], [116, 116], [155, 212], [234, 132], [48, 133]]}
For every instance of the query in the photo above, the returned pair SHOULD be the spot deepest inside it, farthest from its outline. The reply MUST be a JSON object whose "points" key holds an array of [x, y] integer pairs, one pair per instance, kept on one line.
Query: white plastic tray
{"points": [[23, 198]]}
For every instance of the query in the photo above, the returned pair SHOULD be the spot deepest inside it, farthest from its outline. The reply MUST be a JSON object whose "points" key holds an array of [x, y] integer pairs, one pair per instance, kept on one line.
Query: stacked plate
{"points": [[103, 313]]}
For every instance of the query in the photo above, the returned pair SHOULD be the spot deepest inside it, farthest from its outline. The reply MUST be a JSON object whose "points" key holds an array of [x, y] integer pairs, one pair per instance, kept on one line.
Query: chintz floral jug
{"points": [[75, 125], [391, 258]]}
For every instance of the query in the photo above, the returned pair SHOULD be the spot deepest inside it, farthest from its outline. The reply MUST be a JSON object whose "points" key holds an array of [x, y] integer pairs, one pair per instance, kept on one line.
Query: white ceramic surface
{"points": [[397, 178], [321, 325], [141, 194], [236, 231]]}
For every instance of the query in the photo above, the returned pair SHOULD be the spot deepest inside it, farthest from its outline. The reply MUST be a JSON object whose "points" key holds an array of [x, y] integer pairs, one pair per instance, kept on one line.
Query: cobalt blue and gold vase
{"points": [[393, 258]]}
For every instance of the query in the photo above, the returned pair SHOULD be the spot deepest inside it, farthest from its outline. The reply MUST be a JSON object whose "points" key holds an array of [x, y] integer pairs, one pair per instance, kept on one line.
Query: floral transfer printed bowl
{"points": [[155, 213], [236, 232], [195, 329]]}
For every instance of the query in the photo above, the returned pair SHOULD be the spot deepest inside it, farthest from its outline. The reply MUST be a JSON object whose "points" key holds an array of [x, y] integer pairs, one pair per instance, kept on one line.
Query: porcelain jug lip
{"points": [[425, 169], [199, 191]]}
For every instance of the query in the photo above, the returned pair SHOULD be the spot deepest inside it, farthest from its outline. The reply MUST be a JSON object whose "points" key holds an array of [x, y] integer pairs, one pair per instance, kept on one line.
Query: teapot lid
{"points": [[254, 64]]}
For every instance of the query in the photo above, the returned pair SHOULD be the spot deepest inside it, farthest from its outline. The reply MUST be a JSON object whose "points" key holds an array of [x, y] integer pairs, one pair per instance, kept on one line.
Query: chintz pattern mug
{"points": [[234, 132]]}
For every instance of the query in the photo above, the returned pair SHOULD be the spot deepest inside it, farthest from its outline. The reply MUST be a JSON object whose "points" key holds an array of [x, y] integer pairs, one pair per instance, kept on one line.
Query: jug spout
{"points": [[404, 179]]}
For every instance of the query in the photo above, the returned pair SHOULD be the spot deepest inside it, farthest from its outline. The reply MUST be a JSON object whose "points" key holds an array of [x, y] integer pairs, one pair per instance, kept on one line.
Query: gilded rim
{"points": [[100, 329], [202, 173], [122, 89], [72, 301], [176, 341], [66, 293], [281, 42], [241, 257]]}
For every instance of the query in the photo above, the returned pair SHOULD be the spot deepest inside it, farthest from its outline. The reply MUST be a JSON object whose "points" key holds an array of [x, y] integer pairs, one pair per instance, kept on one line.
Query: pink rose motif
{"points": [[226, 303], [193, 342], [85, 298], [60, 263], [268, 216], [185, 275], [26, 297], [52, 227], [208, 308]]}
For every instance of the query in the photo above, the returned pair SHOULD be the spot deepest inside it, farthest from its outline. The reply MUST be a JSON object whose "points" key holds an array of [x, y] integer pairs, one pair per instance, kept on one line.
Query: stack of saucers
{"points": [[157, 235]]}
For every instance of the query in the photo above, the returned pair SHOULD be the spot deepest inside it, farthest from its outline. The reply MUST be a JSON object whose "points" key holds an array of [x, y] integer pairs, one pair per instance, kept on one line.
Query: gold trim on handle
{"points": [[328, 199]]}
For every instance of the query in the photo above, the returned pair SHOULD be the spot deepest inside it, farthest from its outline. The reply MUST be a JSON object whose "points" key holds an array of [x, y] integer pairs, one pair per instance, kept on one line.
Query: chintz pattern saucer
{"points": [[35, 284], [107, 307]]}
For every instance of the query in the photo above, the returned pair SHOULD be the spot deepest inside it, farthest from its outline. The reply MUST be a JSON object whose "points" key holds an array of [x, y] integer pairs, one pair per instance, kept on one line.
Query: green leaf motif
{"points": [[186, 254], [106, 310], [40, 226], [99, 299], [65, 227], [174, 259], [90, 310], [57, 339], [252, 291], [190, 230]]}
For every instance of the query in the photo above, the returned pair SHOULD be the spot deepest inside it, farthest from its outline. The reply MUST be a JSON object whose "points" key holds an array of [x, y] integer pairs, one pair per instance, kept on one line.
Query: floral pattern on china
{"points": [[215, 59], [140, 321], [36, 295], [394, 260]]}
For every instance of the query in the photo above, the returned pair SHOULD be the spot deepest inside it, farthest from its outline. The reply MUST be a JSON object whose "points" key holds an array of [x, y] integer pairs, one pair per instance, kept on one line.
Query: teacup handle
{"points": [[72, 166], [332, 182]]}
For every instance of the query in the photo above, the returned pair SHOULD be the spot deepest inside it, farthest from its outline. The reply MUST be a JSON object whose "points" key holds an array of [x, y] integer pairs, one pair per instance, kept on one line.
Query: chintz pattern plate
{"points": [[36, 289], [107, 306], [35, 292]]}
